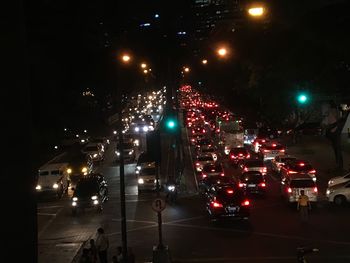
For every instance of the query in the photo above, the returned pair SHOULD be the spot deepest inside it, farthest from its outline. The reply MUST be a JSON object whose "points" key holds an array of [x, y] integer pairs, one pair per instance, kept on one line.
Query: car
{"points": [[203, 142], [250, 135], [147, 178], [227, 201], [129, 152], [144, 159], [238, 154], [298, 166], [206, 183], [209, 150], [197, 131], [255, 165], [105, 142], [212, 170], [339, 193], [280, 160], [202, 160], [270, 150], [253, 182], [95, 150], [339, 179], [193, 139], [292, 185], [90, 192]]}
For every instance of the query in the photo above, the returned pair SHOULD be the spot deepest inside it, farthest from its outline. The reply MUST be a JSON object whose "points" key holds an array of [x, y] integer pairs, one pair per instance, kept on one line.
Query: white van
{"points": [[53, 179]]}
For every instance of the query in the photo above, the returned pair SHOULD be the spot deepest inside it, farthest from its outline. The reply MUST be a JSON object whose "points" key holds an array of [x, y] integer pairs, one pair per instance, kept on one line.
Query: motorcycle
{"points": [[171, 193]]}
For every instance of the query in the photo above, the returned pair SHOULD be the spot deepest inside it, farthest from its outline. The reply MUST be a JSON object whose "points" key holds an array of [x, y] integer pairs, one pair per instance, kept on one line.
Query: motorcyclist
{"points": [[171, 189]]}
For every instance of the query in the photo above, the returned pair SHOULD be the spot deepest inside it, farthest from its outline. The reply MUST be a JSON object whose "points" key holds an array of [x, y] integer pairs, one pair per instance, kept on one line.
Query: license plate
{"points": [[231, 209], [251, 185], [274, 152]]}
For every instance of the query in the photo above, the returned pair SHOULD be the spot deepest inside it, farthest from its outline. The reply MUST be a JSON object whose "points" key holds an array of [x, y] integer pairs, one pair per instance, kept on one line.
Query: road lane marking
{"points": [[134, 220], [189, 151], [183, 220], [264, 234], [134, 229], [48, 223], [48, 207], [46, 214]]}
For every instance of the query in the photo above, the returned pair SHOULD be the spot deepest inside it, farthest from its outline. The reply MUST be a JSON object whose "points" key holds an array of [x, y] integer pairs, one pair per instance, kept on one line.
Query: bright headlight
{"points": [[118, 153], [137, 171], [330, 182], [69, 171], [75, 199], [314, 179], [131, 152], [137, 142], [95, 202], [84, 170], [38, 187], [140, 181], [55, 186], [74, 203], [137, 129], [171, 187], [82, 140], [145, 128], [94, 197], [138, 167], [95, 155]]}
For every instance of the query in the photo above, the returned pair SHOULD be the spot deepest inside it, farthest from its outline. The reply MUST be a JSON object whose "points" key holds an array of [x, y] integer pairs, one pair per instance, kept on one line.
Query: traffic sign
{"points": [[158, 205]]}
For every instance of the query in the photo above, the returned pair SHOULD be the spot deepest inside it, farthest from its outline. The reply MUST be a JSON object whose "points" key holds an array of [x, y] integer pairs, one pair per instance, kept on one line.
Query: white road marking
{"points": [[264, 234], [189, 151], [48, 207], [183, 220], [48, 223], [136, 221]]}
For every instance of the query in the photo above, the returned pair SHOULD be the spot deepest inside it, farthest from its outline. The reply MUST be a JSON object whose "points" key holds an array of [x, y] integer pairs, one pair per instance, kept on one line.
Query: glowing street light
{"points": [[204, 61], [222, 52], [256, 11], [126, 58], [143, 65], [186, 69], [145, 71]]}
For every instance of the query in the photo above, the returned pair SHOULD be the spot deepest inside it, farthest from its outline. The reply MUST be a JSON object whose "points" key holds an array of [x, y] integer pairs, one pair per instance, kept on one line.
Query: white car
{"points": [[280, 160], [202, 160], [339, 179], [339, 193]]}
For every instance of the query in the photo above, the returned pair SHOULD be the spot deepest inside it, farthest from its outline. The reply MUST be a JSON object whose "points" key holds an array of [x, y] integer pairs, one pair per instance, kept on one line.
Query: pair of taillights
{"points": [[240, 155], [267, 151], [216, 204], [294, 172], [262, 170], [289, 190], [243, 184]]}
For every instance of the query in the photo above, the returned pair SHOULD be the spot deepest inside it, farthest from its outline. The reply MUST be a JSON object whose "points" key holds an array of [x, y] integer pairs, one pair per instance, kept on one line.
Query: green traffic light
{"points": [[171, 124], [302, 98]]}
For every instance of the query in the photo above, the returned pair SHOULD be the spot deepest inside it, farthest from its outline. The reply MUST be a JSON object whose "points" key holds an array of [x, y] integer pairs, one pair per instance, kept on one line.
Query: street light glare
{"points": [[204, 61], [143, 65], [256, 11], [187, 69], [145, 71], [126, 58], [222, 52]]}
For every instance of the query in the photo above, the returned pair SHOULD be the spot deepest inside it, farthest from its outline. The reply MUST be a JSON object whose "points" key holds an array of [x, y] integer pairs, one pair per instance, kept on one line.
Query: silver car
{"points": [[291, 187]]}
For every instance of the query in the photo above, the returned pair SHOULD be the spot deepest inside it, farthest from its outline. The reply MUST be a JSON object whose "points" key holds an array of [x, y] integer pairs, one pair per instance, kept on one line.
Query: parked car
{"points": [[339, 179], [339, 193]]}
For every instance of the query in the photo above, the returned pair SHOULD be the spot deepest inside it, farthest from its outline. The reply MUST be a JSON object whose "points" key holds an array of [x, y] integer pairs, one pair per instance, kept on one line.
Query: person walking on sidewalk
{"points": [[102, 244], [303, 206]]}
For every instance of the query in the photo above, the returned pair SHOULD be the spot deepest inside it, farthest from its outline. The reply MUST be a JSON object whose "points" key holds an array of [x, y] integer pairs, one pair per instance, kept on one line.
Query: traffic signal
{"points": [[302, 98], [171, 124]]}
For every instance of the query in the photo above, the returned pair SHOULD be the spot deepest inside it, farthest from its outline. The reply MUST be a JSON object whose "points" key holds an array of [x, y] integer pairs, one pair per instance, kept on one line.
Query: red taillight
{"points": [[241, 154], [262, 184], [263, 141], [274, 145], [192, 131], [301, 164], [197, 164], [282, 151], [204, 175], [216, 204], [245, 169], [232, 156], [312, 171], [248, 155], [289, 190], [241, 185], [245, 203], [229, 191], [203, 131], [315, 190], [292, 172], [222, 174], [265, 151]]}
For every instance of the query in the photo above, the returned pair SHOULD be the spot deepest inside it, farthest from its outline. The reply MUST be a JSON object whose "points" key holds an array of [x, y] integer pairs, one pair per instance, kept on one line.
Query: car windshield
{"points": [[212, 168], [149, 171], [204, 158], [307, 183], [256, 163], [86, 188], [252, 177]]}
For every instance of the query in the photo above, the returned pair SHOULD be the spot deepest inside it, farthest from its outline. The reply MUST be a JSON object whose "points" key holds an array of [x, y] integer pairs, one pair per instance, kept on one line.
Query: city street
{"points": [[273, 232]]}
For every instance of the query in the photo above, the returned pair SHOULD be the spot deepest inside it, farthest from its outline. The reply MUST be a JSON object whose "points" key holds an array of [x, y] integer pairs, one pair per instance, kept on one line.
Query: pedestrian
{"points": [[93, 251], [120, 255], [102, 245], [303, 206], [85, 257]]}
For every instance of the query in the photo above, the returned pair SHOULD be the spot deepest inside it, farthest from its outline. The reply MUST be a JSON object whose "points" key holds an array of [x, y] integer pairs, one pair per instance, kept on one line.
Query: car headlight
{"points": [[95, 202], [328, 192], [69, 171], [55, 186], [145, 128], [140, 181], [131, 152], [95, 155], [75, 199], [82, 140], [137, 142], [330, 182], [137, 129], [171, 187], [137, 172], [84, 170], [314, 179], [38, 187], [94, 197], [74, 203]]}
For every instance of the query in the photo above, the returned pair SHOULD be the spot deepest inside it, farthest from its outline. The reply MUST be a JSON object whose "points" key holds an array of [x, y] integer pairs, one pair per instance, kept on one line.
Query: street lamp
{"points": [[145, 71], [256, 11], [222, 52], [204, 61], [186, 69], [143, 65], [126, 58]]}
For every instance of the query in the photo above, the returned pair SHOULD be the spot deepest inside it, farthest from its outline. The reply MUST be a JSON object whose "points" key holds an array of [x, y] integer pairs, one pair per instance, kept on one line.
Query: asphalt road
{"points": [[272, 234]]}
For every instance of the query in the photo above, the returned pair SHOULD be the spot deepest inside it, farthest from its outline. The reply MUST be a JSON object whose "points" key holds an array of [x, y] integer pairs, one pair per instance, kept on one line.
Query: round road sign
{"points": [[158, 205]]}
